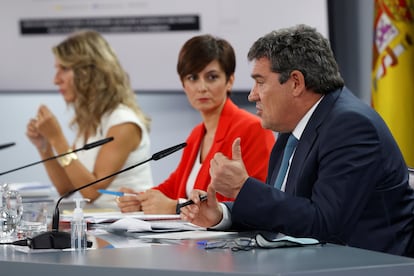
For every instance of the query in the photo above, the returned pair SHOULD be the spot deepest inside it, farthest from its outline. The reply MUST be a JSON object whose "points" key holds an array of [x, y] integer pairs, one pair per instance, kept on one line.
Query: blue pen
{"points": [[203, 242], [115, 193]]}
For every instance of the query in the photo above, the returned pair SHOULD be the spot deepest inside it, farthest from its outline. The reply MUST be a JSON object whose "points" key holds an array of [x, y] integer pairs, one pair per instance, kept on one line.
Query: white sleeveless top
{"points": [[138, 178]]}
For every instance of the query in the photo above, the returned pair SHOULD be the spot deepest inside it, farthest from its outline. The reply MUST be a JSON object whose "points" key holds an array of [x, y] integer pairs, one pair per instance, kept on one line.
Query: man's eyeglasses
{"points": [[237, 244], [261, 241]]}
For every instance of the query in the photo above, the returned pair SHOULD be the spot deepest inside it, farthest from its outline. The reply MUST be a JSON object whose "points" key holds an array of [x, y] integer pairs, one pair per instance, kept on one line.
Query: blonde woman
{"points": [[93, 83]]}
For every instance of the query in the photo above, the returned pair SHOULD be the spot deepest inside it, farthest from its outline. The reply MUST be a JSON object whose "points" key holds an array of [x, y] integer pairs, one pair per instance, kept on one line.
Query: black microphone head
{"points": [[97, 143], [166, 152], [3, 146]]}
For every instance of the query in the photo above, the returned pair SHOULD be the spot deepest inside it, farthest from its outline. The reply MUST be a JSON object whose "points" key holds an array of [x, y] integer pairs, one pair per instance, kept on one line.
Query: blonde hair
{"points": [[100, 82]]}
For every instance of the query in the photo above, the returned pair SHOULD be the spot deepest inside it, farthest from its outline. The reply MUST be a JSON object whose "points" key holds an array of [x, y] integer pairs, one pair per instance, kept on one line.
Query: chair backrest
{"points": [[410, 252], [411, 176]]}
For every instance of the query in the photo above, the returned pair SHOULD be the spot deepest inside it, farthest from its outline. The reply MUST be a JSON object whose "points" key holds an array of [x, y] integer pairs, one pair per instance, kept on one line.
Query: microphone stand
{"points": [[85, 147], [61, 240]]}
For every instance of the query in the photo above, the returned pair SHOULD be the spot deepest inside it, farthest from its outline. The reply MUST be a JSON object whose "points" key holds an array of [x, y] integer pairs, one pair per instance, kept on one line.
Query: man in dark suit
{"points": [[346, 183]]}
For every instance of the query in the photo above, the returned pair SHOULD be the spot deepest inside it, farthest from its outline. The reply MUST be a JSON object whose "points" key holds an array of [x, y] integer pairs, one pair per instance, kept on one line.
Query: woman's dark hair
{"points": [[200, 50]]}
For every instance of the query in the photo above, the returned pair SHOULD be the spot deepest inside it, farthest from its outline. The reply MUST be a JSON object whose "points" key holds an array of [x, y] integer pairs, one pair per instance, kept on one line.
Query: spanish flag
{"points": [[393, 70]]}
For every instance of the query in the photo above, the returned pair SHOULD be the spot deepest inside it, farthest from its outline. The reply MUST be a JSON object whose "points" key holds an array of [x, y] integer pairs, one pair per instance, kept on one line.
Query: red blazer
{"points": [[256, 145]]}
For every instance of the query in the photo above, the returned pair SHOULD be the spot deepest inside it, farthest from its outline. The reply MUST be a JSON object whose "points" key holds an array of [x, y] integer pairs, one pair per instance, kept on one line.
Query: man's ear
{"points": [[298, 82]]}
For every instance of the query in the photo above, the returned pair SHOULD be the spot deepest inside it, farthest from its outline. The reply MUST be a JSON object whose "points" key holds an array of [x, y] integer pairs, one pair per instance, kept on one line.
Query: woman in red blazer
{"points": [[206, 66]]}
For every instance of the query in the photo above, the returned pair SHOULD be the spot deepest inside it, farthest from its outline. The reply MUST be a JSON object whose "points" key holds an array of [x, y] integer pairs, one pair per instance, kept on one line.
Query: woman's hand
{"points": [[155, 202], [128, 203], [35, 137], [48, 126]]}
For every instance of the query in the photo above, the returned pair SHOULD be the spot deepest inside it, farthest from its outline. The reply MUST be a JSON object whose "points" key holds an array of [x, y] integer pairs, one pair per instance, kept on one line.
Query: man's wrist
{"points": [[225, 222]]}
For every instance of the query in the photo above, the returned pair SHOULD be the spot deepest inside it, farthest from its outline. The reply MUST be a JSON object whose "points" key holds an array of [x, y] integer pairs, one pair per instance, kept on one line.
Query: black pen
{"points": [[188, 202]]}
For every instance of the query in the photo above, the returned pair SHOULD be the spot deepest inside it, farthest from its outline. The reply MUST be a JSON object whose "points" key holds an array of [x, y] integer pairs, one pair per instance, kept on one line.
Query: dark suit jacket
{"points": [[348, 182]]}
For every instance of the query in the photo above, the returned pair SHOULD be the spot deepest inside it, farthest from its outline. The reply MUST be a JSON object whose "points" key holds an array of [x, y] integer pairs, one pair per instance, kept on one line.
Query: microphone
{"points": [[60, 240], [85, 147], [3, 146]]}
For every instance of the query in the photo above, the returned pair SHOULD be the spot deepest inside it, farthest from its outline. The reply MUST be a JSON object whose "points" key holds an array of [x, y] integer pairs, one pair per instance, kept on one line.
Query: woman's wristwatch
{"points": [[66, 159]]}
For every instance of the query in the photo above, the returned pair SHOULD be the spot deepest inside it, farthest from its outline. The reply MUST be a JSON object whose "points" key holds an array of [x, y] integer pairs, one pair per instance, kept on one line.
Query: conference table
{"points": [[125, 254], [188, 257]]}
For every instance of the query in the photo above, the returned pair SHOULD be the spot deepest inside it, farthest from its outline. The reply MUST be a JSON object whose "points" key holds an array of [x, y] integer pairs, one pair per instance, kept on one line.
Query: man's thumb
{"points": [[236, 149], [211, 194]]}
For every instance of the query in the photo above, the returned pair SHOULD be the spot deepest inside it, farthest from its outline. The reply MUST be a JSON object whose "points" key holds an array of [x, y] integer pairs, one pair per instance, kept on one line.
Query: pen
{"points": [[115, 193], [188, 202]]}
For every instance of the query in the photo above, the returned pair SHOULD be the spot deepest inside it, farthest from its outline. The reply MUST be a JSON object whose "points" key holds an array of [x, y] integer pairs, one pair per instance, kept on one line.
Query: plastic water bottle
{"points": [[78, 227]]}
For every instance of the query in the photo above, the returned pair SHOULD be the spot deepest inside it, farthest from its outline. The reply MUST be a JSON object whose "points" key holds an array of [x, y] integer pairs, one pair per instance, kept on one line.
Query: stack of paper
{"points": [[138, 225], [33, 191], [105, 216], [191, 235]]}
